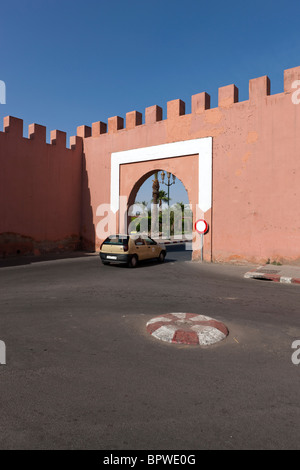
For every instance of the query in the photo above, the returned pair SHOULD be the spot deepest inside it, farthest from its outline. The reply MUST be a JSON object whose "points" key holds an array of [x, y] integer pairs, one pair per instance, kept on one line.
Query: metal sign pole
{"points": [[201, 226]]}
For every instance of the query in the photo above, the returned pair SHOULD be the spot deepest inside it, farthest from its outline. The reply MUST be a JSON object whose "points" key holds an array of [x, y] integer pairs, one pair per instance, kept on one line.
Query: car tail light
{"points": [[125, 247]]}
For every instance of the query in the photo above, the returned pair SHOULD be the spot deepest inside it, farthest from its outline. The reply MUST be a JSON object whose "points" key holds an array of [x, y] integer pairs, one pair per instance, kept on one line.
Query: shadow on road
{"points": [[29, 259], [175, 253]]}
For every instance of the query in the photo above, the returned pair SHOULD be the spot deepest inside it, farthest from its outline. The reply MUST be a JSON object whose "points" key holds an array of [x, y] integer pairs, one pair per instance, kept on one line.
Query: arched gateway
{"points": [[190, 160]]}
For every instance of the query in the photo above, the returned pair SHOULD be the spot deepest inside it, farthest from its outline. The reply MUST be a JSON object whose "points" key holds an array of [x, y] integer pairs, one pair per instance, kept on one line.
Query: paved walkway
{"points": [[284, 273]]}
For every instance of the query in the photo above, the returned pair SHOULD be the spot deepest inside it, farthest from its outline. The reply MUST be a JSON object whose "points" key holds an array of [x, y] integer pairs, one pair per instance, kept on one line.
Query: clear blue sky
{"points": [[68, 62]]}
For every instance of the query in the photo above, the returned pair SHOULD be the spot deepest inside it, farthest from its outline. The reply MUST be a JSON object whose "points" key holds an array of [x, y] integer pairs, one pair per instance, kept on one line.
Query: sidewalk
{"points": [[285, 274]]}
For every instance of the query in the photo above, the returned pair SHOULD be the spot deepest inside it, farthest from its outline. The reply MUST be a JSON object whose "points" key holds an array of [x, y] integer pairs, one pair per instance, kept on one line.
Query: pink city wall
{"points": [[40, 188], [255, 213]]}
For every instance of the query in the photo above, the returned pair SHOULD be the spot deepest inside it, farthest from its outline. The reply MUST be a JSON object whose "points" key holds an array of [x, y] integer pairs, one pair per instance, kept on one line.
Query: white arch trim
{"points": [[202, 147]]}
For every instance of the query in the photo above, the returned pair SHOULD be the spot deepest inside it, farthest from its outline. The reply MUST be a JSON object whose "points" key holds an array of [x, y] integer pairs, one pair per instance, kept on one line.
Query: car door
{"points": [[152, 248], [141, 248]]}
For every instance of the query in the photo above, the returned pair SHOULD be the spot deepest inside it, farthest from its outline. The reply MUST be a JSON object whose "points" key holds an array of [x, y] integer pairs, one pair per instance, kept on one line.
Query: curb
{"points": [[175, 241], [269, 276], [187, 328]]}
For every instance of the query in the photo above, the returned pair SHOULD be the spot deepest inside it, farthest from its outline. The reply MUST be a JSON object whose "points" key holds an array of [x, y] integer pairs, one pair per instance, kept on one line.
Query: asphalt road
{"points": [[82, 372]]}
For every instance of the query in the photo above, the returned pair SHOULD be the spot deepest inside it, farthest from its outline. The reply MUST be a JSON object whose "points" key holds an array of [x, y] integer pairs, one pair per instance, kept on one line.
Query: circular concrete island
{"points": [[187, 328]]}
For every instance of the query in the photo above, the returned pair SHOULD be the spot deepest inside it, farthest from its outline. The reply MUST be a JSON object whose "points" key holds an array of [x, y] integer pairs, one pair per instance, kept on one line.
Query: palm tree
{"points": [[144, 203], [181, 205], [163, 197]]}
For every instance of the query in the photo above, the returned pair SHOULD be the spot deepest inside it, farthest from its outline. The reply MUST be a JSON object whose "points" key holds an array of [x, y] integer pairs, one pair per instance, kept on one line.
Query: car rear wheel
{"points": [[133, 262], [161, 257]]}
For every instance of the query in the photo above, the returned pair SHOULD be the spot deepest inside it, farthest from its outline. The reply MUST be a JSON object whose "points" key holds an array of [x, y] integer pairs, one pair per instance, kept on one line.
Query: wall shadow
{"points": [[87, 227], [22, 260]]}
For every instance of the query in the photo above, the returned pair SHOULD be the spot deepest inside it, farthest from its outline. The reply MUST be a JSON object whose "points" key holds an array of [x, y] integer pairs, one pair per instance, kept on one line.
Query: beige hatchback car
{"points": [[130, 250]]}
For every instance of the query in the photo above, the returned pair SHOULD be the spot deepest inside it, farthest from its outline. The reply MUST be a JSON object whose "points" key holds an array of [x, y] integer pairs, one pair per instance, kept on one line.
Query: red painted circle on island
{"points": [[187, 328]]}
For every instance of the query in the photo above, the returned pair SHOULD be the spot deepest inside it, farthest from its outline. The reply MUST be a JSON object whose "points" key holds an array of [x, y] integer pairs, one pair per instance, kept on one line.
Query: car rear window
{"points": [[116, 240]]}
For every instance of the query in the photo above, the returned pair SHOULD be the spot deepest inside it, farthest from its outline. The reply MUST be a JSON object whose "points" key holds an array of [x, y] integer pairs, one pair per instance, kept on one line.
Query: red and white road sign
{"points": [[201, 226]]}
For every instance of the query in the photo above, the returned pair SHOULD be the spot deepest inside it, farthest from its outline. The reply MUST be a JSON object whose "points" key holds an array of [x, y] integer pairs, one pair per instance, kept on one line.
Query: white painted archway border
{"points": [[202, 147]]}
